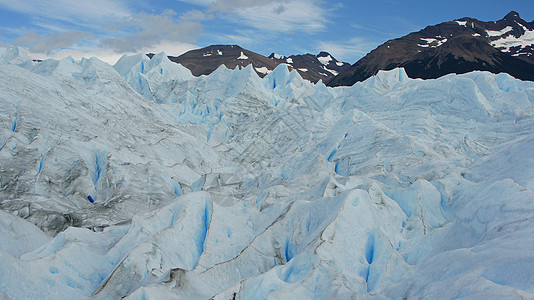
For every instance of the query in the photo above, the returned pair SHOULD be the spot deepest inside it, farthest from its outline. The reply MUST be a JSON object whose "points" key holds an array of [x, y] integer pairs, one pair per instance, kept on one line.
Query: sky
{"points": [[347, 29]]}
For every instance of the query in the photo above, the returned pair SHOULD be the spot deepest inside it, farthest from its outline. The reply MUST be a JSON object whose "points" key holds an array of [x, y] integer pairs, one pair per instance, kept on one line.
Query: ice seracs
{"points": [[235, 186], [13, 55]]}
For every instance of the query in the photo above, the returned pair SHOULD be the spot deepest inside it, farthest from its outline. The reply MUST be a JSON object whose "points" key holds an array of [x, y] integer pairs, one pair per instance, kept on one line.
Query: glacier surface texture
{"points": [[139, 180]]}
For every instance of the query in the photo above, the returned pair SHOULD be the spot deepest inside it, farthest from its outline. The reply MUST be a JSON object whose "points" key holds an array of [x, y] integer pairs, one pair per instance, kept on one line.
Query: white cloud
{"points": [[199, 2], [82, 13], [110, 56], [227, 5], [111, 29], [349, 51], [269, 15], [172, 48], [140, 30], [37, 43], [239, 39], [278, 16], [236, 5], [28, 38], [196, 15]]}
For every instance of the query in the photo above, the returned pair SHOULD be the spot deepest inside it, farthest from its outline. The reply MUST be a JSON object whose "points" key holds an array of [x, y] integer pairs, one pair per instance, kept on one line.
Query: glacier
{"points": [[141, 181]]}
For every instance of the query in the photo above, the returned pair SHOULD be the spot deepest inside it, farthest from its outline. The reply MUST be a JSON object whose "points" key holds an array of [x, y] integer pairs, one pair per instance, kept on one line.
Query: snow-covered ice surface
{"points": [[233, 186]]}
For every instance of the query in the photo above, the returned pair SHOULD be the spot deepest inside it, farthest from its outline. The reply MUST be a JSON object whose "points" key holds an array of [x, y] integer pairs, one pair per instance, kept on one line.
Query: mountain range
{"points": [[458, 46], [311, 67]]}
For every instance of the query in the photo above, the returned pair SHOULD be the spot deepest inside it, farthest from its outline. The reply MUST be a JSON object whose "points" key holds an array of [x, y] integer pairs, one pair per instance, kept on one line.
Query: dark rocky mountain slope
{"points": [[458, 46], [311, 67]]}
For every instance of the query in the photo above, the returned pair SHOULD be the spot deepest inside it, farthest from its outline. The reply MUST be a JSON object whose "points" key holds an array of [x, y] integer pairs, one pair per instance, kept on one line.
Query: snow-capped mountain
{"points": [[322, 66], [140, 180], [206, 60], [311, 67], [459, 46]]}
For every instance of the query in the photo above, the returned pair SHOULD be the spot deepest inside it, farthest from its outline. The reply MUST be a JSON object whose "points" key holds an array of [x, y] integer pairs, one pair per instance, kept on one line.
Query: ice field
{"points": [[139, 180]]}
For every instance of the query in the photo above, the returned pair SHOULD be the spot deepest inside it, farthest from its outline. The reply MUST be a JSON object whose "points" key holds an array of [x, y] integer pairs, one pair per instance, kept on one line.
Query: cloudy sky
{"points": [[110, 28]]}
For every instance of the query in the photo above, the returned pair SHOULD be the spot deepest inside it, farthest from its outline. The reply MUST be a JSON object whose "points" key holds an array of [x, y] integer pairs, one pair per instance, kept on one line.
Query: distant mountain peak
{"points": [[459, 46], [513, 15], [323, 54]]}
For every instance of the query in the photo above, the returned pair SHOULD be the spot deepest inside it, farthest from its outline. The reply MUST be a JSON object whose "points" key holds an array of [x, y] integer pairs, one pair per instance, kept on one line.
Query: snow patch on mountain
{"points": [[242, 56], [262, 70], [433, 42], [505, 43], [325, 60], [334, 72], [494, 33]]}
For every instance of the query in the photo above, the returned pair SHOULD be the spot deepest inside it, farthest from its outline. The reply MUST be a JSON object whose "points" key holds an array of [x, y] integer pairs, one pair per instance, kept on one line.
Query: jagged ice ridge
{"points": [[230, 185]]}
